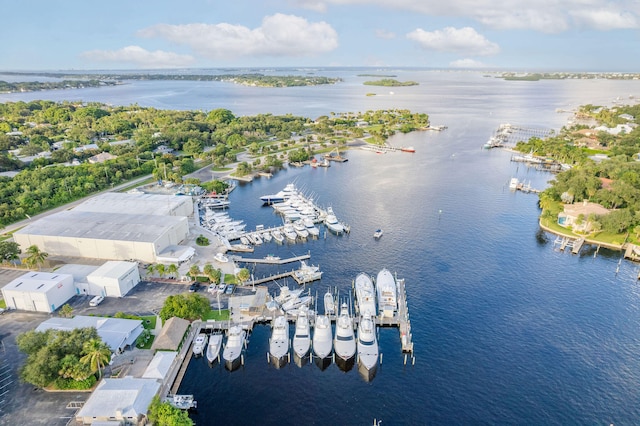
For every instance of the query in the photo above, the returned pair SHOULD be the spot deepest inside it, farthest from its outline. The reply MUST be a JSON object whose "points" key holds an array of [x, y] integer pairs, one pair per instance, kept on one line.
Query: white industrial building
{"points": [[114, 278], [119, 401], [138, 203], [39, 291], [104, 235]]}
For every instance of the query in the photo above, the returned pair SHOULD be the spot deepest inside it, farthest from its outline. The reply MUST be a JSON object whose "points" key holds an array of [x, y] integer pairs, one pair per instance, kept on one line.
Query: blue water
{"points": [[506, 328]]}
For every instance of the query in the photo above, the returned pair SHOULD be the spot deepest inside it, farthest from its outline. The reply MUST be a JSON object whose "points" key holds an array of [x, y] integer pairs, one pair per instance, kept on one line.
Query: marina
{"points": [[305, 323]]}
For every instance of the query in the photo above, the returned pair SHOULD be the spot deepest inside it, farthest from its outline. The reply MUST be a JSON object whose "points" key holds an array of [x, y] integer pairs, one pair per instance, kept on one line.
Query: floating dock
{"points": [[271, 261]]}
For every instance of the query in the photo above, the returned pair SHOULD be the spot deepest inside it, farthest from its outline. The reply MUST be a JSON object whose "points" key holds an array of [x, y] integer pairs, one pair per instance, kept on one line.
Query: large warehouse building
{"points": [[39, 291], [105, 235], [114, 278], [138, 203]]}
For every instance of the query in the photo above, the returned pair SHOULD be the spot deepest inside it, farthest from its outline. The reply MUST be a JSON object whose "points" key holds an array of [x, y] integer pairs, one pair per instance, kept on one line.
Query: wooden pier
{"points": [[271, 261]]}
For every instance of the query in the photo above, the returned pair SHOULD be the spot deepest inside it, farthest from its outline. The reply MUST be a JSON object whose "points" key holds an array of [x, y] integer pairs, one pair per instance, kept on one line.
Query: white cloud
{"points": [[140, 57], [464, 40], [549, 16], [384, 34], [605, 19], [467, 63], [279, 35]]}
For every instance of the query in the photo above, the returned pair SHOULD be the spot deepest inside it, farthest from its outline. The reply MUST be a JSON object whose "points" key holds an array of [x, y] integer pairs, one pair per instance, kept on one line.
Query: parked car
{"points": [[194, 287], [96, 301]]}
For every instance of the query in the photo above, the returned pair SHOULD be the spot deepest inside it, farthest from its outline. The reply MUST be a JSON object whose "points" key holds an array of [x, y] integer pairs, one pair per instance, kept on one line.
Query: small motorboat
{"points": [[377, 234], [199, 344]]}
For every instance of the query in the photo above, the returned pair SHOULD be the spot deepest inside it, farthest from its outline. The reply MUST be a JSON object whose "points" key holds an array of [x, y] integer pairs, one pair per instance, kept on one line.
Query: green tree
{"points": [[161, 269], [243, 275], [96, 355], [220, 116], [164, 414], [66, 310], [9, 251], [35, 257], [72, 368], [194, 271], [189, 306], [172, 270]]}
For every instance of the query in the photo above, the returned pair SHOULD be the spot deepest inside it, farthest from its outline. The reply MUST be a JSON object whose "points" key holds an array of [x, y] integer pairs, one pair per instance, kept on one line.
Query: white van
{"points": [[96, 301]]}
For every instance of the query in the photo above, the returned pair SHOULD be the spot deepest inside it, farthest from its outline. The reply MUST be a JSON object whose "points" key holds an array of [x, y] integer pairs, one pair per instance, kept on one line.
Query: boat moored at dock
{"points": [[344, 343], [387, 292], [199, 344], [322, 341], [367, 347], [214, 346], [365, 295], [233, 349], [302, 337], [279, 342]]}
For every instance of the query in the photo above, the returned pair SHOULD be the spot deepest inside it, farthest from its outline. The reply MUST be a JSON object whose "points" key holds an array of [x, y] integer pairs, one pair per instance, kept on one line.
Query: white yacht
{"points": [[307, 273], [300, 229], [329, 303], [279, 341], [290, 232], [277, 235], [344, 343], [286, 294], [199, 344], [221, 258], [302, 337], [332, 222], [266, 236], [367, 347], [214, 346], [312, 229], [387, 293], [365, 294], [322, 341], [233, 348], [279, 197]]}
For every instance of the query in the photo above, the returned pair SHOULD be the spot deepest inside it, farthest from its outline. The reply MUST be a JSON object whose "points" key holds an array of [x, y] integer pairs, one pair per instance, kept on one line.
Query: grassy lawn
{"points": [[214, 315], [230, 279], [3, 304], [146, 344], [149, 322], [221, 169], [144, 182]]}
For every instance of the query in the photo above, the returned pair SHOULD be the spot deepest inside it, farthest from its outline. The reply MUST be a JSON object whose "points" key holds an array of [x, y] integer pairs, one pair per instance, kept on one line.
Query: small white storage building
{"points": [[39, 291], [114, 278]]}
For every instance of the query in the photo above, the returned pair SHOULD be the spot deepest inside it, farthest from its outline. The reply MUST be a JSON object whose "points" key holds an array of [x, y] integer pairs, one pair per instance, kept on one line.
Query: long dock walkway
{"points": [[403, 317], [272, 261]]}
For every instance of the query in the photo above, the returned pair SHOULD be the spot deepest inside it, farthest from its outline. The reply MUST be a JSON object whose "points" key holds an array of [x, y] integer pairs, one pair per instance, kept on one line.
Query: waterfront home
{"points": [[576, 216]]}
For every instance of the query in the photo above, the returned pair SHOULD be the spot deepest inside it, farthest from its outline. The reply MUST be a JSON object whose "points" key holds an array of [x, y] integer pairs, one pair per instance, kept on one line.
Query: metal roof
{"points": [[103, 225]]}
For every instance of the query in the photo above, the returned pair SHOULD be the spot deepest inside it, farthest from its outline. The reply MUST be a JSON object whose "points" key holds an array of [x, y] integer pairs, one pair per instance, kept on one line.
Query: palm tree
{"points": [[96, 355], [161, 269], [35, 257], [172, 270], [151, 269], [194, 271]]}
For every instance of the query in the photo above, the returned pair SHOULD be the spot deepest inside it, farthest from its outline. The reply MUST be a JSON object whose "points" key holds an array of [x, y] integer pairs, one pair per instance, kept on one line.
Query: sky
{"points": [[529, 35]]}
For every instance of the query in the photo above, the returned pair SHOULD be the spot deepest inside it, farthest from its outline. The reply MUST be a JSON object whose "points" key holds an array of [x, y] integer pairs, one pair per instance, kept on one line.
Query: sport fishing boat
{"points": [[367, 347], [387, 293], [329, 303], [344, 343], [322, 341], [233, 348], [279, 342], [301, 338], [214, 346], [365, 294]]}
